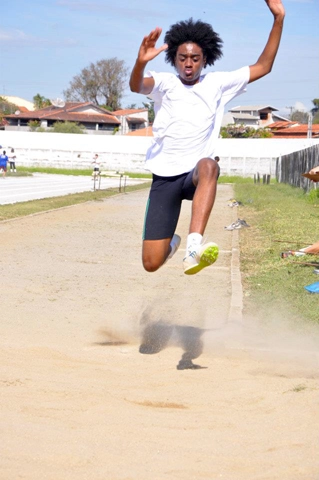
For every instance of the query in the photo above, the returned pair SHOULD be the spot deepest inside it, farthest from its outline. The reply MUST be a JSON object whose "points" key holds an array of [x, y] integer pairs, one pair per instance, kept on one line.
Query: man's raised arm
{"points": [[147, 52], [265, 62]]}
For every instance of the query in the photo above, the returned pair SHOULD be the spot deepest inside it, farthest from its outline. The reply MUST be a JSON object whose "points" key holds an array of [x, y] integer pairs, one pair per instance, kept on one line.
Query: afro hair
{"points": [[197, 32]]}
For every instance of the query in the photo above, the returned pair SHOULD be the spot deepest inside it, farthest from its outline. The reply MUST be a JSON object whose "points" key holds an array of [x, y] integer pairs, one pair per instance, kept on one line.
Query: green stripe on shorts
{"points": [[147, 207]]}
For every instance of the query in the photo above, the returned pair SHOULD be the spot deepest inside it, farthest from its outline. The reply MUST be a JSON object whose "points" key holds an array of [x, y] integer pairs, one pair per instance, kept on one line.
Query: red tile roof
{"points": [[72, 111], [129, 111], [281, 124], [135, 120], [23, 109], [296, 131], [82, 117], [141, 132]]}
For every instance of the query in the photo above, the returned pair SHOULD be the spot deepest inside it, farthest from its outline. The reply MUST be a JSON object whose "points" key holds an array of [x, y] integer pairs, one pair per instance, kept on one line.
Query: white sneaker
{"points": [[175, 243], [200, 257]]}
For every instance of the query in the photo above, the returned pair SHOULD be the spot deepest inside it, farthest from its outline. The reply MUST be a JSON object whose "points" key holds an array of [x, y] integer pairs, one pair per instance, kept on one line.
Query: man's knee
{"points": [[151, 261], [208, 168], [150, 266], [154, 254]]}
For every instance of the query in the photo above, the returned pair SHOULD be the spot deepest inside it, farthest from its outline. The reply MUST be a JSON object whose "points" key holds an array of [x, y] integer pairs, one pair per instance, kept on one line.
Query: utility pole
{"points": [[291, 110], [309, 131]]}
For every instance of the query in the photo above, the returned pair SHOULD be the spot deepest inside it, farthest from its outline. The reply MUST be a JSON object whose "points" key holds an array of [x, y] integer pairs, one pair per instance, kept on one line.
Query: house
{"points": [[95, 119], [254, 116], [141, 132], [293, 130], [132, 119]]}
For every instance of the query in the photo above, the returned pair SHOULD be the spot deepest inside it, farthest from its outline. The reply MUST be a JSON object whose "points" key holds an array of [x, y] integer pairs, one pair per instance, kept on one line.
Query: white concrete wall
{"points": [[117, 152]]}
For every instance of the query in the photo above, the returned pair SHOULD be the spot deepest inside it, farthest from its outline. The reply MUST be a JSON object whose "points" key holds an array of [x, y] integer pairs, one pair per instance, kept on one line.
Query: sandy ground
{"points": [[77, 398]]}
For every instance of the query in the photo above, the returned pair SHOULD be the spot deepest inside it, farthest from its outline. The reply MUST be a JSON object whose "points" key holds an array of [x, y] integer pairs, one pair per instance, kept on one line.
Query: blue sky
{"points": [[45, 43]]}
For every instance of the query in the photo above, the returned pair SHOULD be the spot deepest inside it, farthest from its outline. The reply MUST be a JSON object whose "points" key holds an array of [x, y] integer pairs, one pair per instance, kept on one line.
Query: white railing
{"points": [[244, 157]]}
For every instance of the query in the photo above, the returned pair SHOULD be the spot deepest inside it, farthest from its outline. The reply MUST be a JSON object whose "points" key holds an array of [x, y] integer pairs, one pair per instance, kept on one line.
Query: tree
{"points": [[7, 108], [102, 82], [299, 116], [40, 101], [242, 131], [151, 113], [315, 111], [33, 125], [67, 127]]}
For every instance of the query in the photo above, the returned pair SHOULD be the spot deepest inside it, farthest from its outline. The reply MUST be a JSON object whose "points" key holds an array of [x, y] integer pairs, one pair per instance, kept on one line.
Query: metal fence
{"points": [[289, 168]]}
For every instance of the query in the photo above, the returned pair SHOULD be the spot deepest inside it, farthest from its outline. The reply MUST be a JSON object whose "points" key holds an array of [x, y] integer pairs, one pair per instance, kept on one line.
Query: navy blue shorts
{"points": [[164, 204]]}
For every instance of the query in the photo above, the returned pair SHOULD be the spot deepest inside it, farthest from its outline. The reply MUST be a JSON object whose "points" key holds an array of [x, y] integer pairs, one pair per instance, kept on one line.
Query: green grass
{"points": [[18, 173], [73, 171], [235, 179], [282, 218]]}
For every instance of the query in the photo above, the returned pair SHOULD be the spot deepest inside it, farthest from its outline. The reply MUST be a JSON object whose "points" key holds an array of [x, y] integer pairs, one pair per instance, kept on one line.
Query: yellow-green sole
{"points": [[208, 257]]}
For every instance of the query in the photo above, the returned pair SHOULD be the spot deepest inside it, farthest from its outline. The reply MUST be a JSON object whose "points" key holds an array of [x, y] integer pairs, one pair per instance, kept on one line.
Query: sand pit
{"points": [[78, 399]]}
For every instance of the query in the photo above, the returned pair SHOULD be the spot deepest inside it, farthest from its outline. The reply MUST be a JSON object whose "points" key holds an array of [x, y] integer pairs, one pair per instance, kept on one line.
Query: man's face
{"points": [[189, 63]]}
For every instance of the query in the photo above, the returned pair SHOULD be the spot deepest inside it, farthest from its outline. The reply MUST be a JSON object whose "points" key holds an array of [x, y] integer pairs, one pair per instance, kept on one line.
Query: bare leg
{"points": [[205, 178], [154, 253]]}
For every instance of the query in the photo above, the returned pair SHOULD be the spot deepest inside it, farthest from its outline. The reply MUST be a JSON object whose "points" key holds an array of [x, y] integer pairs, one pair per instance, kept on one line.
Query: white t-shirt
{"points": [[188, 118]]}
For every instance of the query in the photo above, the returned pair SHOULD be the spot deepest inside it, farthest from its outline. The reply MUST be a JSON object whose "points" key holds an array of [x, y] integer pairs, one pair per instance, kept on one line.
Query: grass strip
{"points": [[72, 171], [281, 218]]}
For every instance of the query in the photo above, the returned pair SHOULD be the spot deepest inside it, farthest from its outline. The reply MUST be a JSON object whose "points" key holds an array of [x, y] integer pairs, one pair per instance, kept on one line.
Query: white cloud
{"points": [[18, 38], [9, 36], [300, 107]]}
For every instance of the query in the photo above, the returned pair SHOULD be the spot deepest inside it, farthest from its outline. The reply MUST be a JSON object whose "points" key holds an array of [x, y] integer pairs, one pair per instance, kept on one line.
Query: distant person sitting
{"points": [[217, 161], [96, 163], [3, 163], [96, 166], [314, 170], [310, 250], [12, 160]]}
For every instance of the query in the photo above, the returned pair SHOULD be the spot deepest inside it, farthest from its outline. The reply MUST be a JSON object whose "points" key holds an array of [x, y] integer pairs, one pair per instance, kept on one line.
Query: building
{"points": [[293, 130], [95, 119], [132, 119], [141, 132], [254, 116]]}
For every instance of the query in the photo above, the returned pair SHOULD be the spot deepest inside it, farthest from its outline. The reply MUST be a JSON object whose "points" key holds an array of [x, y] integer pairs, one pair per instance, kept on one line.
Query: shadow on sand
{"points": [[158, 335]]}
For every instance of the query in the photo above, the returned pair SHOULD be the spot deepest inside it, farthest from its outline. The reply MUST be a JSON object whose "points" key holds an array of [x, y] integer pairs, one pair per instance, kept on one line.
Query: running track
{"points": [[22, 189]]}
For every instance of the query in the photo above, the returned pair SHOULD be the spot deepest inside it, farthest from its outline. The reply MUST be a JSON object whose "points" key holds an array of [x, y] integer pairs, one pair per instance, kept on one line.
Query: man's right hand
{"points": [[276, 7], [148, 49]]}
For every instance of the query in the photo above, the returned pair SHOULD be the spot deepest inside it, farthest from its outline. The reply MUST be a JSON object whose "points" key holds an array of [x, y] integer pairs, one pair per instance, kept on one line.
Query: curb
{"points": [[236, 303]]}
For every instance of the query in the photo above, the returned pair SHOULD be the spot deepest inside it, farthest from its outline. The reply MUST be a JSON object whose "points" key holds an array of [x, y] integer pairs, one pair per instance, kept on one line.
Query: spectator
{"points": [[3, 163], [12, 160], [96, 166]]}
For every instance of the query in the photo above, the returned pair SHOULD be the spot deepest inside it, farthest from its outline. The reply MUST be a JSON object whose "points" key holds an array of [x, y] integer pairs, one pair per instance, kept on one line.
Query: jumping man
{"points": [[188, 112]]}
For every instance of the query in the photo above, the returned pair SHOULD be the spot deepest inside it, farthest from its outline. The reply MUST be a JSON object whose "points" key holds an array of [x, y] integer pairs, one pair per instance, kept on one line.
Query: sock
{"points": [[193, 239]]}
